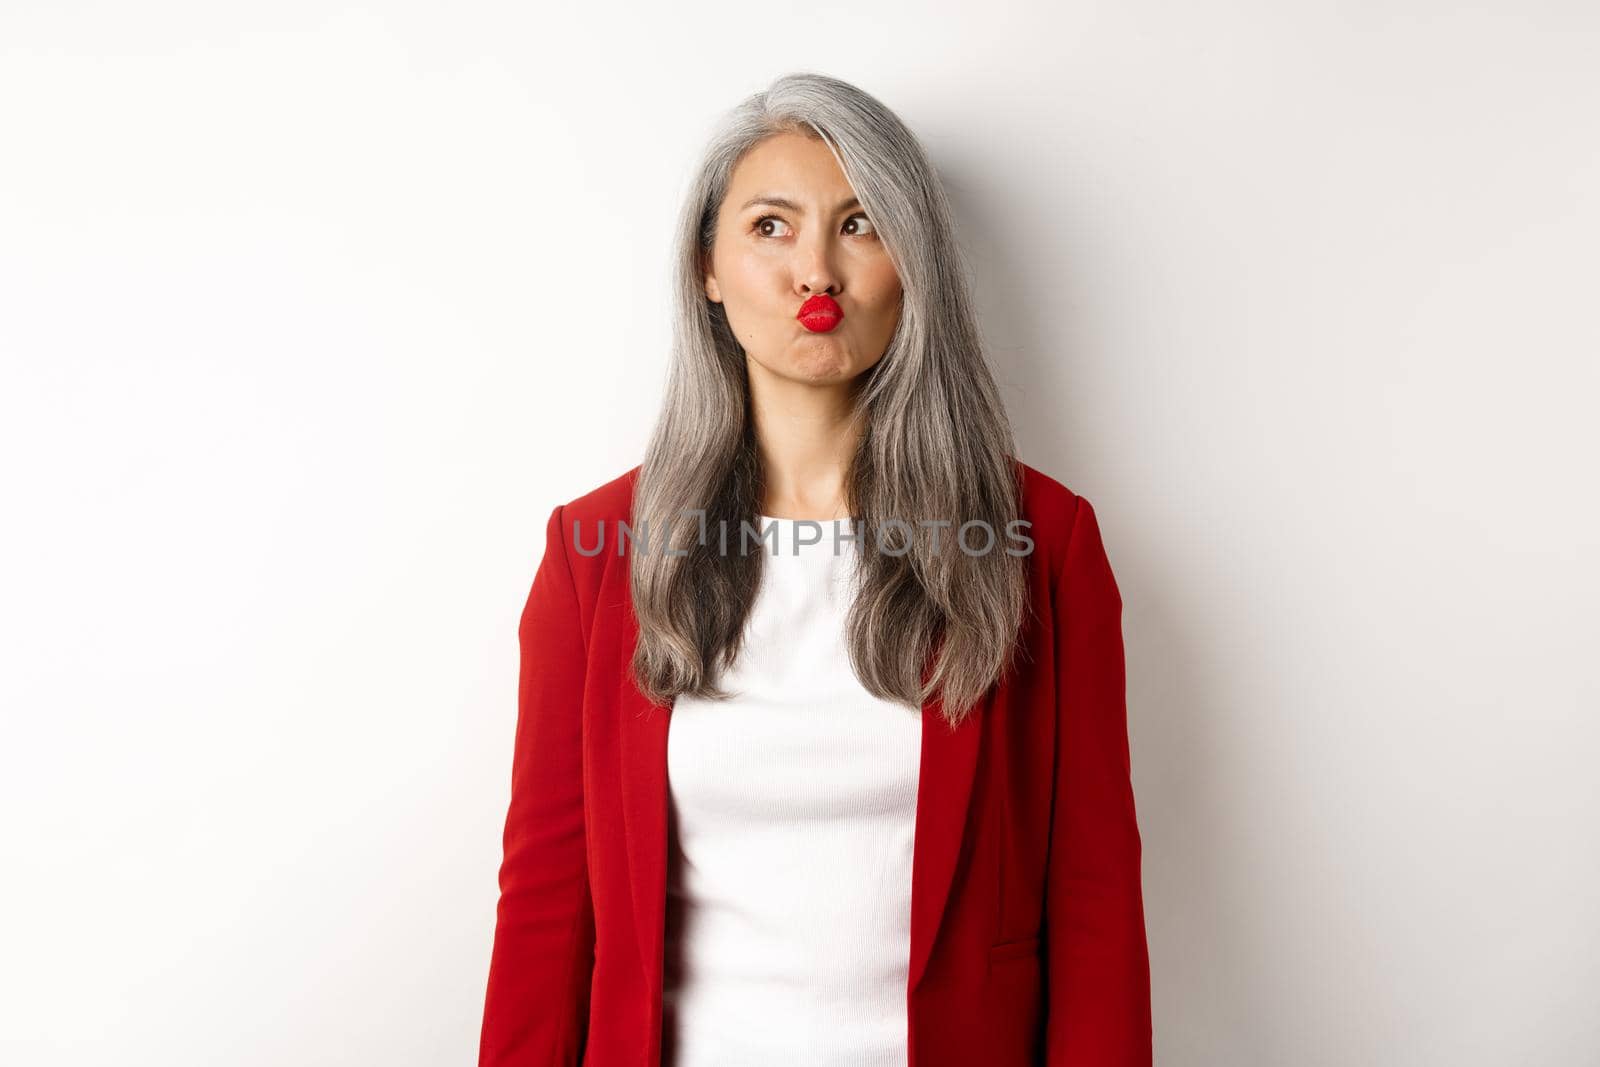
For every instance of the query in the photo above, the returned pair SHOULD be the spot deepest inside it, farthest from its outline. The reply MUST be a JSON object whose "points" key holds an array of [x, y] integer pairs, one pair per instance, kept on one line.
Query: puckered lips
{"points": [[820, 314]]}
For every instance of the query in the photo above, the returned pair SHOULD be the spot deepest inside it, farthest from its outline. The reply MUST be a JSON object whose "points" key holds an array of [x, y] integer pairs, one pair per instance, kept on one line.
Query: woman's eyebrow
{"points": [[771, 200]]}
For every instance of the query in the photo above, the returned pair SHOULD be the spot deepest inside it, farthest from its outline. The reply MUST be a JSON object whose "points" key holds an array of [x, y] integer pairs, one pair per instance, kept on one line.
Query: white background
{"points": [[310, 314]]}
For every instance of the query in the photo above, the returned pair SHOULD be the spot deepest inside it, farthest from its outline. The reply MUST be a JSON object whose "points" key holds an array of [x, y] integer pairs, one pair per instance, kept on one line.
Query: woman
{"points": [[892, 819]]}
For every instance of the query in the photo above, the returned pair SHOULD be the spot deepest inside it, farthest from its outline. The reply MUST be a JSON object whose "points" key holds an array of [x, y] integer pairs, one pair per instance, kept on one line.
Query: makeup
{"points": [[820, 314]]}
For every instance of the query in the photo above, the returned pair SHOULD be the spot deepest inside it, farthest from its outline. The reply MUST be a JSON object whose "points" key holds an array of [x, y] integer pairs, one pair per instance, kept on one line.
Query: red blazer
{"points": [[1027, 920]]}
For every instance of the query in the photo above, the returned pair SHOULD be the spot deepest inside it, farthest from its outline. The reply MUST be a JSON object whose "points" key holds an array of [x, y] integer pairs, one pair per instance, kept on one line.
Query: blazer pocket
{"points": [[1006, 950]]}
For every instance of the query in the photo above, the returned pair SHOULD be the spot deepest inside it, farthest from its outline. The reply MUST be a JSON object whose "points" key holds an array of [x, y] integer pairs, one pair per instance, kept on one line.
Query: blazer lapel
{"points": [[643, 745], [944, 789]]}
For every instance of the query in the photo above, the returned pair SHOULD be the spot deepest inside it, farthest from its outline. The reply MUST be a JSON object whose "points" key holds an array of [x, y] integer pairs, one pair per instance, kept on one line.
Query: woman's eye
{"points": [[761, 224], [871, 230]]}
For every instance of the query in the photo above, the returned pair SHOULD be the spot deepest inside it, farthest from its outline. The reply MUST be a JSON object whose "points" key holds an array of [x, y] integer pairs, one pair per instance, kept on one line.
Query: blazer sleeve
{"points": [[536, 1006], [1098, 970]]}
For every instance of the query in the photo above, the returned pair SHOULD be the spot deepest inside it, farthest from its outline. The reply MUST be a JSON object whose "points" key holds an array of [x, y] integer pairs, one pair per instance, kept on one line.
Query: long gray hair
{"points": [[927, 616]]}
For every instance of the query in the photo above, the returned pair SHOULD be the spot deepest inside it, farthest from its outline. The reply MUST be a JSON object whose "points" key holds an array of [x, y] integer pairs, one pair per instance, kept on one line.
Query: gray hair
{"points": [[936, 441]]}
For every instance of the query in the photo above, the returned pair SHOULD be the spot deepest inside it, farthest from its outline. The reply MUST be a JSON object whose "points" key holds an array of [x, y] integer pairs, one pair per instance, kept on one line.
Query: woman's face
{"points": [[790, 227]]}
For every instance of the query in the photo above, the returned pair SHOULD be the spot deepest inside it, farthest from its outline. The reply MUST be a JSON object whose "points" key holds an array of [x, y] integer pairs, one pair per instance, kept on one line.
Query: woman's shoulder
{"points": [[587, 526], [1051, 509], [611, 500]]}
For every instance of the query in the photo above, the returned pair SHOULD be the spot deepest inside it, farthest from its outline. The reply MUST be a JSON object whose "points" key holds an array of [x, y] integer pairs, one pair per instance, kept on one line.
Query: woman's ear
{"points": [[713, 293]]}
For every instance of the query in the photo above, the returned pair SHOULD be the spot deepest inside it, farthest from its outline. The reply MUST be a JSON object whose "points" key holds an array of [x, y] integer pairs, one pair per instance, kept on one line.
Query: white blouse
{"points": [[791, 821]]}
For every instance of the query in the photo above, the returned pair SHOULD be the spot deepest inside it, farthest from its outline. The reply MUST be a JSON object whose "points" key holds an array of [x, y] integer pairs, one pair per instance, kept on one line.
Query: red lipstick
{"points": [[820, 314]]}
